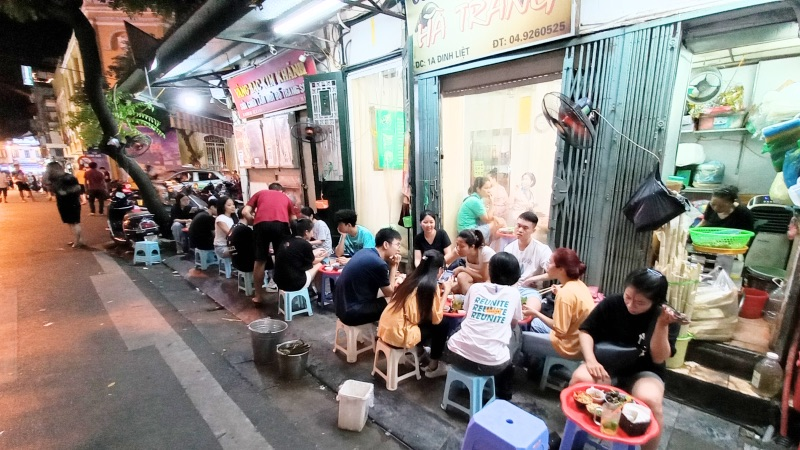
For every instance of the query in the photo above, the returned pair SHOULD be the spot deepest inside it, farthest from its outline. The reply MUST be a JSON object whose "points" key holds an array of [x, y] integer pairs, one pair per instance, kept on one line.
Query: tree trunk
{"points": [[93, 86]]}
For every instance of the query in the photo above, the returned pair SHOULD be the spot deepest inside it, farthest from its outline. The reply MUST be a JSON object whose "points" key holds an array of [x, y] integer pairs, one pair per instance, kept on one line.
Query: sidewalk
{"points": [[412, 412]]}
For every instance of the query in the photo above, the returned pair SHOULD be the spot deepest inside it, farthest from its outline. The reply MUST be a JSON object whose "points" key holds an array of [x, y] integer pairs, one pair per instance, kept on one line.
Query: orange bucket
{"points": [[754, 302]]}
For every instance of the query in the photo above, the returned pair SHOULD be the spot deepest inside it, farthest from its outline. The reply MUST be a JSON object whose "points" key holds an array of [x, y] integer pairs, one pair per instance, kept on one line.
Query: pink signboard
{"points": [[275, 85]]}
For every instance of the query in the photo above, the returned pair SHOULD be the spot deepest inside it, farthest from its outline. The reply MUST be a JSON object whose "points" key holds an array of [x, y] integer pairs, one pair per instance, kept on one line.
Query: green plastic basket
{"points": [[720, 237]]}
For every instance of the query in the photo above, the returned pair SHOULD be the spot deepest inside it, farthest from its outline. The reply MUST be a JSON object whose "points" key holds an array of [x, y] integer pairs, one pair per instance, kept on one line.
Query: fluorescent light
{"points": [[306, 16], [190, 101]]}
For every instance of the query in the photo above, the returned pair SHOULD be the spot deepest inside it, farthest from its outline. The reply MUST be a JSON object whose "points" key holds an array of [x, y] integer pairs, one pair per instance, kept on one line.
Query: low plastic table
{"points": [[580, 423]]}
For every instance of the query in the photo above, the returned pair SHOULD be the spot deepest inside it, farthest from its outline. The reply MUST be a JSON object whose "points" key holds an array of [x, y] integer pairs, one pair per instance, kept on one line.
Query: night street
{"points": [[92, 355]]}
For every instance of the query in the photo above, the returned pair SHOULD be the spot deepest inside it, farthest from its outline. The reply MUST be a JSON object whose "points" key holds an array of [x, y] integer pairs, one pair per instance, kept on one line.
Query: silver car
{"points": [[197, 178]]}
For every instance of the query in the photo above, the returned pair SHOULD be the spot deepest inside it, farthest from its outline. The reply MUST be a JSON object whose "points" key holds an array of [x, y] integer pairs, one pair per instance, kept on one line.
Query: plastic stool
{"points": [[501, 425], [225, 267], [204, 258], [147, 252], [474, 383], [550, 362], [331, 281], [367, 332], [576, 437], [394, 357], [246, 282], [288, 300]]}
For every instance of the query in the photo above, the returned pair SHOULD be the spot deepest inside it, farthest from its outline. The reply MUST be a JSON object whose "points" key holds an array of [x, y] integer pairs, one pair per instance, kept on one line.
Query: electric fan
{"points": [[573, 121], [704, 86], [313, 133], [137, 145]]}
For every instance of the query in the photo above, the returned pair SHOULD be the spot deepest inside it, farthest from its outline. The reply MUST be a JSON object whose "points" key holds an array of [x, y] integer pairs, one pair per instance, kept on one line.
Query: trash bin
{"points": [[292, 359], [265, 334], [355, 398], [681, 345]]}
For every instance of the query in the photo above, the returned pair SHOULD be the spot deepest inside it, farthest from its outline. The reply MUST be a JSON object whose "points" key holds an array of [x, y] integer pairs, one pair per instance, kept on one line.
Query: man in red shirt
{"points": [[96, 187], [270, 211]]}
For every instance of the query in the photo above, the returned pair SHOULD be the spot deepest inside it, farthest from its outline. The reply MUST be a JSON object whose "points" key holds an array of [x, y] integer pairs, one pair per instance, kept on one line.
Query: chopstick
{"points": [[546, 290]]}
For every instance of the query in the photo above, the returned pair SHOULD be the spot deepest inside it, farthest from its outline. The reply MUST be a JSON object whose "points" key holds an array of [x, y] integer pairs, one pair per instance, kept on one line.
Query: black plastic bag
{"points": [[653, 205]]}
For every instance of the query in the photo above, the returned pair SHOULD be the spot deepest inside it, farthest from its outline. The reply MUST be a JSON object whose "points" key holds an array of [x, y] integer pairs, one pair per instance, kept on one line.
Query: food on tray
{"points": [[594, 409], [582, 398], [635, 419], [598, 395]]}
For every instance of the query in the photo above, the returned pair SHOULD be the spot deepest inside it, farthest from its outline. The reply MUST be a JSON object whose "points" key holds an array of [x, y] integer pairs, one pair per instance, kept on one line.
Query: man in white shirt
{"points": [[533, 257]]}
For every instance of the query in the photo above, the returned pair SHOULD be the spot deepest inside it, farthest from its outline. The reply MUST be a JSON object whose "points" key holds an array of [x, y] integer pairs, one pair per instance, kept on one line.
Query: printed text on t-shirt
{"points": [[489, 310]]}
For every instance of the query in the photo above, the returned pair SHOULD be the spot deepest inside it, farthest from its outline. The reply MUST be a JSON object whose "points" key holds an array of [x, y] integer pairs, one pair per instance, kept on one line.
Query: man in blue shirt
{"points": [[353, 237], [368, 271]]}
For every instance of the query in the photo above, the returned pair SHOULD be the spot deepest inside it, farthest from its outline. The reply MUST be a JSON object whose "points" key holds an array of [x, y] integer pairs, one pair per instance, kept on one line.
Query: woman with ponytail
{"points": [[559, 336], [471, 246]]}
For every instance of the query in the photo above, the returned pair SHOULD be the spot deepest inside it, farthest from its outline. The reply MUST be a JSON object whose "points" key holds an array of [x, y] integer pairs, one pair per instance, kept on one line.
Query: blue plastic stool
{"points": [[147, 252], [575, 437], [288, 306], [225, 266], [501, 425], [551, 361], [204, 258], [246, 282], [474, 383]]}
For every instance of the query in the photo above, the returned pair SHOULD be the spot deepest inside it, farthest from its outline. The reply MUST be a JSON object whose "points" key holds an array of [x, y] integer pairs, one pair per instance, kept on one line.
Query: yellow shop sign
{"points": [[449, 32]]}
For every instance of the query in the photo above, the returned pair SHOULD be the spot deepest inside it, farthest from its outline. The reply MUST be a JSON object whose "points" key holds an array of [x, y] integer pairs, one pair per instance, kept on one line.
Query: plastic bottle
{"points": [[768, 376], [774, 304]]}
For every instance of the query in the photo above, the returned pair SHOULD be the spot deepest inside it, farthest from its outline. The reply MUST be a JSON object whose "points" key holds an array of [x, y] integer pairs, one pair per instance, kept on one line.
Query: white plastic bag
{"points": [[716, 307]]}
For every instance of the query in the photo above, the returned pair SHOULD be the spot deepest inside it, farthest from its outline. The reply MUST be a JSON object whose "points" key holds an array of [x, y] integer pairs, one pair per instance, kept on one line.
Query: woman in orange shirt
{"points": [[416, 308], [559, 336]]}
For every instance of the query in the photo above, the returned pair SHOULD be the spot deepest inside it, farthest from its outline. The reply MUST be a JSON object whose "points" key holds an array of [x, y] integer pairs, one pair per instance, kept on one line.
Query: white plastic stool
{"points": [[352, 334], [246, 282], [147, 252], [204, 258], [288, 300], [225, 267], [394, 357], [550, 362]]}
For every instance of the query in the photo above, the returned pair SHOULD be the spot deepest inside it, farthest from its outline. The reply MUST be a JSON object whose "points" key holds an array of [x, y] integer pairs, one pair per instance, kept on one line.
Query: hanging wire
{"points": [[626, 137]]}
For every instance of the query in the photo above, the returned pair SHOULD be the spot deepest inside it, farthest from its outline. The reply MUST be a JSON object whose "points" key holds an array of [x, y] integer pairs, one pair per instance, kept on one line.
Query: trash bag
{"points": [[653, 205]]}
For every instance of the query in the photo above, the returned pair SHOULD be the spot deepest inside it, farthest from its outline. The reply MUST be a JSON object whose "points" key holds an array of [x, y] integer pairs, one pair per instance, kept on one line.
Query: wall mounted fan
{"points": [[137, 145], [574, 122], [704, 86]]}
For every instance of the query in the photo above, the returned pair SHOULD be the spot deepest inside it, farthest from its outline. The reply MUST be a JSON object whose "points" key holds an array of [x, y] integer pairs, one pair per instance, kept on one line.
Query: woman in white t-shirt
{"points": [[470, 246], [493, 308], [222, 225]]}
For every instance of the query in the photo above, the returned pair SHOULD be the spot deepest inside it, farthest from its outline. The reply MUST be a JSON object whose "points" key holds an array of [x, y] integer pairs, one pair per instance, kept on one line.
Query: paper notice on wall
{"points": [[524, 116], [478, 169]]}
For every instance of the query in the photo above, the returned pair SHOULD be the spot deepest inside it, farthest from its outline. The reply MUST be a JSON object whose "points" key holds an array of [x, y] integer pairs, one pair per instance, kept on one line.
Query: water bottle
{"points": [[768, 376]]}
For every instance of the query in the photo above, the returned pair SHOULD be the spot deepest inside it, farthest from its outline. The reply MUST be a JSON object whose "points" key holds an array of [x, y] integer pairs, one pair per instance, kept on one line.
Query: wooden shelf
{"points": [[727, 130]]}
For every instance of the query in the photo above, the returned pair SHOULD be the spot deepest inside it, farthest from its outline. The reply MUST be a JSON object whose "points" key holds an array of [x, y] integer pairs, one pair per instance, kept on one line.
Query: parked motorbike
{"points": [[129, 223]]}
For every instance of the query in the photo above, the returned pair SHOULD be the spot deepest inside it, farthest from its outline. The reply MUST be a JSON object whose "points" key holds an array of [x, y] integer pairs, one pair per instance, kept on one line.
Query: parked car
{"points": [[197, 178]]}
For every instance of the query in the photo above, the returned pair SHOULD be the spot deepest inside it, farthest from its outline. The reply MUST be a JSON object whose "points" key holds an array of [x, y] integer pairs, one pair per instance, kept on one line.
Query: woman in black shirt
{"points": [[724, 211], [431, 238], [637, 319]]}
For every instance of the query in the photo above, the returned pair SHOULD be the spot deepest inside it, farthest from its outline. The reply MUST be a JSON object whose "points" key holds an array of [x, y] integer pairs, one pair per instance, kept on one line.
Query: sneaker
{"points": [[272, 287], [438, 372]]}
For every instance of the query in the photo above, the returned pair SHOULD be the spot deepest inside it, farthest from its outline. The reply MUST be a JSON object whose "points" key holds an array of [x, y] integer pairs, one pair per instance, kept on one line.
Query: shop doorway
{"points": [[499, 132], [377, 138]]}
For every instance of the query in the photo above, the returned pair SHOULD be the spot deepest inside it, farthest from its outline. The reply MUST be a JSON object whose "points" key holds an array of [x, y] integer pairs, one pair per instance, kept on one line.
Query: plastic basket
{"points": [[720, 237]]}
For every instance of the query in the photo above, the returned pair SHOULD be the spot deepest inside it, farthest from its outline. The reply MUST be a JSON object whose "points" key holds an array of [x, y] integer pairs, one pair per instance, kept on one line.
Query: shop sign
{"points": [[272, 86], [450, 32]]}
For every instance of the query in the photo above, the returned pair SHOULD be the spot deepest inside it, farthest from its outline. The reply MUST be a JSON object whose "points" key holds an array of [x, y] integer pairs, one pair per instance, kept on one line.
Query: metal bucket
{"points": [[265, 334], [291, 367]]}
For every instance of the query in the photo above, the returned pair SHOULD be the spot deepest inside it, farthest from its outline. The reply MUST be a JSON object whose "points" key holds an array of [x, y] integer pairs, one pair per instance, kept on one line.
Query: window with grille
{"points": [[215, 149]]}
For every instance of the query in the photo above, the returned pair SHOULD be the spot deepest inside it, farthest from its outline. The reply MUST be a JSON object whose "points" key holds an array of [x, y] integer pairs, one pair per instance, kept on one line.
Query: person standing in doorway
{"points": [[96, 188], [271, 212]]}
